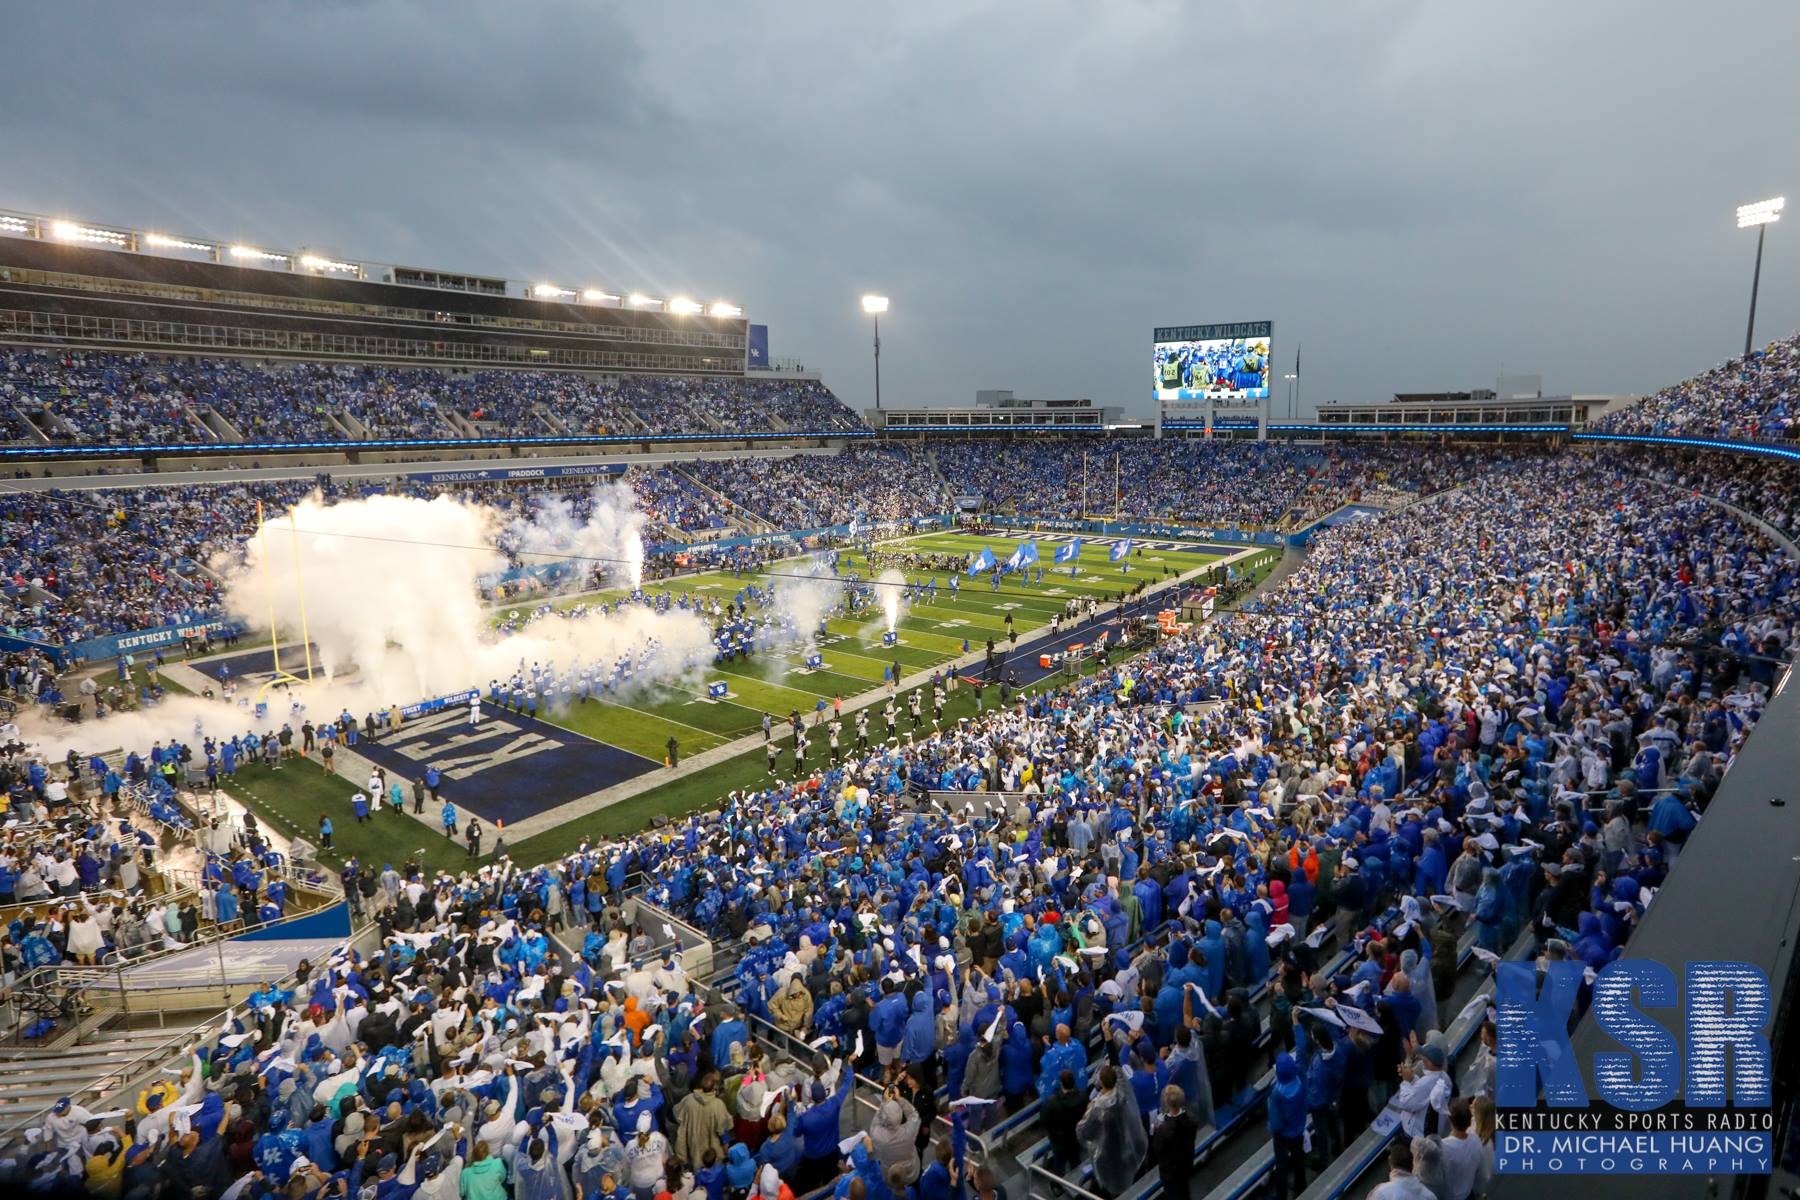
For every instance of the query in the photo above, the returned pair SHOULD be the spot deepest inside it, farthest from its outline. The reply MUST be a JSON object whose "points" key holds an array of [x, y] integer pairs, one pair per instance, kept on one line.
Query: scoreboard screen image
{"points": [[1225, 362]]}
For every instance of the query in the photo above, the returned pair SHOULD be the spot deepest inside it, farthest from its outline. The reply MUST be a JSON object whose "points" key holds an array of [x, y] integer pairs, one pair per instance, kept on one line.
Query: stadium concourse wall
{"points": [[195, 450]]}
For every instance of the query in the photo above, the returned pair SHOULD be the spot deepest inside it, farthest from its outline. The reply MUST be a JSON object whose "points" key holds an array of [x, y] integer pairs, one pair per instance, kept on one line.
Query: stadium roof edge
{"points": [[307, 261]]}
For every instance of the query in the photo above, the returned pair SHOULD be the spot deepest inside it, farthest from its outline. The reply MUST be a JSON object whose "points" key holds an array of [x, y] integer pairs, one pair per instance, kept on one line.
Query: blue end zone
{"points": [[508, 768], [251, 667], [1024, 661]]}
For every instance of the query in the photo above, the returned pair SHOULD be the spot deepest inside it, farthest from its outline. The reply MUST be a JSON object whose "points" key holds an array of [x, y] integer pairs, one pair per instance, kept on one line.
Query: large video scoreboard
{"points": [[1225, 362]]}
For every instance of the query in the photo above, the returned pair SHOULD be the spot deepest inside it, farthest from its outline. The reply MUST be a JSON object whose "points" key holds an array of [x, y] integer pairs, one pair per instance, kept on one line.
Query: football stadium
{"points": [[493, 731]]}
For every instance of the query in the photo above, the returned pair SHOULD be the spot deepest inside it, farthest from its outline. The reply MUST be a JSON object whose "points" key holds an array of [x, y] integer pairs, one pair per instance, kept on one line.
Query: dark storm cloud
{"points": [[1421, 194]]}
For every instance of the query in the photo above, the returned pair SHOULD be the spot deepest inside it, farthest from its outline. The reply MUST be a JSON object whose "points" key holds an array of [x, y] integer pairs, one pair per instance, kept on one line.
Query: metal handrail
{"points": [[215, 932], [1358, 1157], [1053, 1181], [1204, 1147], [123, 1078], [784, 1040]]}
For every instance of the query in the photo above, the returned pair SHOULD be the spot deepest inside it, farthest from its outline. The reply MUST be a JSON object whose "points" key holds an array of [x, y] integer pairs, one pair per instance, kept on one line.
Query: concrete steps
{"points": [[32, 1079]]}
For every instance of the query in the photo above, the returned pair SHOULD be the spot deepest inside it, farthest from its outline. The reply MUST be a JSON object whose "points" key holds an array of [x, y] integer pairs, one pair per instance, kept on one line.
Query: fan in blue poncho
{"points": [[1064, 1054]]}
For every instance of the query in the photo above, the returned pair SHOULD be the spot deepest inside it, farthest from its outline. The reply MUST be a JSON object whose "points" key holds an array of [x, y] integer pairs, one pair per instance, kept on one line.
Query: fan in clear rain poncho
{"points": [[1112, 1134]]}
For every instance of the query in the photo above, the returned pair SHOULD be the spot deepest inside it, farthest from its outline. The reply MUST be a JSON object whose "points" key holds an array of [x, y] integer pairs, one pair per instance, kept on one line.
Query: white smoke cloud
{"points": [[890, 585], [806, 600], [387, 589], [611, 536]]}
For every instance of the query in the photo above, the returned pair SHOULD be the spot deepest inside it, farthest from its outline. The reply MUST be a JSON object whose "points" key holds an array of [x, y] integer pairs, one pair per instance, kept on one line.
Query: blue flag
{"points": [[1022, 557], [983, 562], [1070, 552], [1119, 550]]}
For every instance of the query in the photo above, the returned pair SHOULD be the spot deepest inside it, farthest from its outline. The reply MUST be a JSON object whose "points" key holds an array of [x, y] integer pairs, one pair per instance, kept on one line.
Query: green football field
{"points": [[931, 632]]}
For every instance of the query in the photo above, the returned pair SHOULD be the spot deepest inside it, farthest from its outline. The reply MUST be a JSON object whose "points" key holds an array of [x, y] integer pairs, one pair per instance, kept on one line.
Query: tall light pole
{"points": [[1762, 214], [1290, 377], [875, 306]]}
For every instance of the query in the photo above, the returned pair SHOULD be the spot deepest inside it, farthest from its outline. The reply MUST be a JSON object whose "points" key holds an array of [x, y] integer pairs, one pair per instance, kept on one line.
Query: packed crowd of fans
{"points": [[1231, 482], [1767, 487], [579, 403], [1755, 398], [83, 564], [1214, 482], [668, 495], [81, 851], [870, 483], [90, 396], [1298, 813], [79, 565]]}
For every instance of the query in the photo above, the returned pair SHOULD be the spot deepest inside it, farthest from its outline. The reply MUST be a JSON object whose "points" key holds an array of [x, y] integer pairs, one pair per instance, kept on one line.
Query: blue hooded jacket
{"points": [[920, 1040], [730, 1030], [740, 1168], [889, 1019], [1213, 947], [818, 1125], [1015, 1061], [781, 1152], [1287, 1100]]}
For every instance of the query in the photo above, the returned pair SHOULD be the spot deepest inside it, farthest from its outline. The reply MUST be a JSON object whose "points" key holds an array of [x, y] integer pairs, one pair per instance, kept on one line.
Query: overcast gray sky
{"points": [[1421, 194]]}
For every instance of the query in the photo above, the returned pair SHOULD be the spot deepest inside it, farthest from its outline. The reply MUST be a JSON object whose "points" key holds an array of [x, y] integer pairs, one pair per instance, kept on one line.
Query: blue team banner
{"points": [[757, 341], [983, 562], [1215, 333], [114, 645], [437, 704], [1119, 550], [1068, 553], [1694, 1098]]}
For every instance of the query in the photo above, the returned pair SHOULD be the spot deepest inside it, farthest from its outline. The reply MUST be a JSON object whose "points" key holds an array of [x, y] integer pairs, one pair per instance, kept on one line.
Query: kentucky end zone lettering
{"points": [[1642, 1122]]}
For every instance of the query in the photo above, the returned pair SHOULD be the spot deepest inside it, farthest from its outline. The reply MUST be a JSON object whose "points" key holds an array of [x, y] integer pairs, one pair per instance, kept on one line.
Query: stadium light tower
{"points": [[1290, 377], [875, 306], [1762, 214]]}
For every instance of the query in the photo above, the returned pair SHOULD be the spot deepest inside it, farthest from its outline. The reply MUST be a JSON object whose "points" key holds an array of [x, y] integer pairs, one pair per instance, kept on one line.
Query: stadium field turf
{"points": [[931, 632], [642, 722]]}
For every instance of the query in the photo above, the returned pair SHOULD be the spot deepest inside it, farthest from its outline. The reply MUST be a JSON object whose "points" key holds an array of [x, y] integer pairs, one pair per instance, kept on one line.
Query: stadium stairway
{"points": [[1221, 1146], [33, 433], [112, 1058], [214, 423], [753, 522], [930, 459], [551, 422], [352, 426]]}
